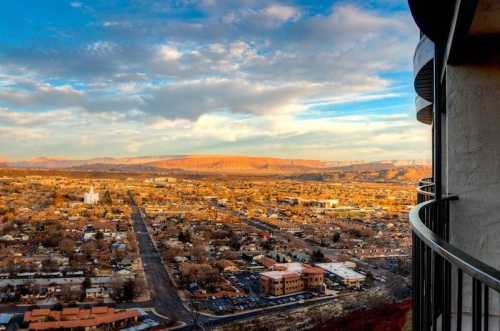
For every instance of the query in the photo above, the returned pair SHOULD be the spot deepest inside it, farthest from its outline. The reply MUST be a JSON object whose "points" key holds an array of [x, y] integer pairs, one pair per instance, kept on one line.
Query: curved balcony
{"points": [[424, 110], [425, 190], [423, 68], [440, 268]]}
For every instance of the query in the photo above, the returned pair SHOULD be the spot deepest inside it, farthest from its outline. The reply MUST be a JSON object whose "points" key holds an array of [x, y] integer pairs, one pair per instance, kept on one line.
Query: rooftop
{"points": [[278, 275], [45, 319], [341, 270], [5, 318]]}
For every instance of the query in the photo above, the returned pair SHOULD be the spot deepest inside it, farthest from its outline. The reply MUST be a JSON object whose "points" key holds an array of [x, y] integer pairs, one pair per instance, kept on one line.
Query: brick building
{"points": [[286, 278]]}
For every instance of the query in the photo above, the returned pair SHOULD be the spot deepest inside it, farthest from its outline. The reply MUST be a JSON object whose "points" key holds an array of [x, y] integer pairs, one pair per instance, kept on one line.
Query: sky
{"points": [[329, 80]]}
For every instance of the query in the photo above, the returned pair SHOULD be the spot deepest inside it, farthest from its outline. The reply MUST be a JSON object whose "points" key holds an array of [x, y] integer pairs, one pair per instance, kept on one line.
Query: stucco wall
{"points": [[473, 165]]}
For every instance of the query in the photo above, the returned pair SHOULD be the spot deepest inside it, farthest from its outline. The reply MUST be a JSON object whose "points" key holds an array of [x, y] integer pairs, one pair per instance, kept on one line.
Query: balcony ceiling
{"points": [[433, 17], [486, 18]]}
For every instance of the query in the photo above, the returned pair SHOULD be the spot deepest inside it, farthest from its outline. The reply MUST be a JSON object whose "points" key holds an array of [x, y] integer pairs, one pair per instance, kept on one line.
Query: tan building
{"points": [[81, 319], [289, 278]]}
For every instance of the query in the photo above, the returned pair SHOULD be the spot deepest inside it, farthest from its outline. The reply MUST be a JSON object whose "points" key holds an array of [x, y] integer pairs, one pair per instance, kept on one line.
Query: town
{"points": [[187, 250]]}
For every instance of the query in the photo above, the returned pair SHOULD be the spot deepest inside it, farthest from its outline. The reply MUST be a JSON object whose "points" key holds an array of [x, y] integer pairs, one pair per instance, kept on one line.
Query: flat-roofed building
{"points": [[347, 275]]}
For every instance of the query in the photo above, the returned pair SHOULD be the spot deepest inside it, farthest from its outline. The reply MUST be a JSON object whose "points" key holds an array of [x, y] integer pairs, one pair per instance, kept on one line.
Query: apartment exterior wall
{"points": [[473, 167], [290, 284]]}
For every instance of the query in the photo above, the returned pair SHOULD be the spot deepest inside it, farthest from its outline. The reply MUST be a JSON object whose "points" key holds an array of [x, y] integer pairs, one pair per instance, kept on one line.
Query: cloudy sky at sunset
{"points": [[316, 79]]}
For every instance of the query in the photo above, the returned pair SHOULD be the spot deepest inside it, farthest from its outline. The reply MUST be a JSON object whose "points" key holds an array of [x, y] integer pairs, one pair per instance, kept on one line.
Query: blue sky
{"points": [[325, 80]]}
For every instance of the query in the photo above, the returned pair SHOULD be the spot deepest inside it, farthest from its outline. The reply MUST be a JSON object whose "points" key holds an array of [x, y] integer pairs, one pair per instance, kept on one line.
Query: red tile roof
{"points": [[44, 319]]}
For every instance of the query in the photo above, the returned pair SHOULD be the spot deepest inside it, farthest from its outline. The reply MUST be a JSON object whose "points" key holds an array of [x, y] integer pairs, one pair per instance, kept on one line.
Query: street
{"points": [[164, 295]]}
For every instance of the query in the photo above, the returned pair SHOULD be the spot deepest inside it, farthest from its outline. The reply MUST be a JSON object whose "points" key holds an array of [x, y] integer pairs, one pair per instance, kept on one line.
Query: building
{"points": [[456, 276], [6, 321], [344, 273], [82, 319], [287, 278], [91, 197], [324, 203], [265, 261]]}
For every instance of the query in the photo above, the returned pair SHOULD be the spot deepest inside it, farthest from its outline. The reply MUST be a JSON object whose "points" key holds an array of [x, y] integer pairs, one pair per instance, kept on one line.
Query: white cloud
{"points": [[169, 53], [32, 119], [134, 147], [101, 48], [281, 12]]}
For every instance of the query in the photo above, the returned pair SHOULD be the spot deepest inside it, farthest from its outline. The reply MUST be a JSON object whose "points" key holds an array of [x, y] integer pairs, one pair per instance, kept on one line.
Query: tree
{"points": [[89, 249], [49, 265], [235, 242], [336, 237], [185, 236], [403, 267], [87, 283], [318, 256], [117, 286], [369, 277], [199, 253], [99, 235], [128, 292], [58, 200], [67, 245], [107, 198]]}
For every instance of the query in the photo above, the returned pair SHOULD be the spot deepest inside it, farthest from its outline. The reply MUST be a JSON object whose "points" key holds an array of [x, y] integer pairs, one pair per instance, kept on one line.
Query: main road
{"points": [[164, 294]]}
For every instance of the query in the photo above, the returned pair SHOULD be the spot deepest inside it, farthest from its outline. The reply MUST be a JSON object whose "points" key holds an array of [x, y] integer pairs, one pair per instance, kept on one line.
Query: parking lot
{"points": [[249, 282]]}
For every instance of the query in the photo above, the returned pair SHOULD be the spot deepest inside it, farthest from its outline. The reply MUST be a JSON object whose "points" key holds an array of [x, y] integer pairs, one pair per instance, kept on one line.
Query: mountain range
{"points": [[211, 163]]}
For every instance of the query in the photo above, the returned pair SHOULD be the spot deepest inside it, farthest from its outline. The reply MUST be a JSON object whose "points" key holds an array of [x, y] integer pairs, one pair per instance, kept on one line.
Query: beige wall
{"points": [[473, 166]]}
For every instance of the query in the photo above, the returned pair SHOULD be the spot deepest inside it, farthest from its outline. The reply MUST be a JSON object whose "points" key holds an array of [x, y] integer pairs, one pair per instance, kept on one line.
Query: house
{"points": [[180, 259], [301, 256], [227, 266], [280, 257], [265, 261], [96, 293]]}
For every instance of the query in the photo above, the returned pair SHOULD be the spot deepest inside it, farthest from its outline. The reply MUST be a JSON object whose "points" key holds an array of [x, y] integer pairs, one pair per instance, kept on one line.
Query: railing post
{"points": [[416, 282], [476, 305]]}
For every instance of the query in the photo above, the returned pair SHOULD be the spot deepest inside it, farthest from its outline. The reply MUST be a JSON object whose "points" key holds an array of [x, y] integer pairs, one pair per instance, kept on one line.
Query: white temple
{"points": [[91, 197]]}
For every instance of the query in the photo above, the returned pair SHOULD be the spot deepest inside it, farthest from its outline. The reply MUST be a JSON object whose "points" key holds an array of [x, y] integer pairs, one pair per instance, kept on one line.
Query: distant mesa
{"points": [[237, 163], [392, 169]]}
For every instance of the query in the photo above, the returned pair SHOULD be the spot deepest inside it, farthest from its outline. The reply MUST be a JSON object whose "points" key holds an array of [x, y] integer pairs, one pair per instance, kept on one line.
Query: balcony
{"points": [[423, 67], [423, 80], [424, 110], [451, 289]]}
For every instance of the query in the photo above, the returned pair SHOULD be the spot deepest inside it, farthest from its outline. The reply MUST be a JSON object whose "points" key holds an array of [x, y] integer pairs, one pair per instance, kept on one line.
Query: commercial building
{"points": [[344, 272], [286, 278], [76, 318], [456, 260]]}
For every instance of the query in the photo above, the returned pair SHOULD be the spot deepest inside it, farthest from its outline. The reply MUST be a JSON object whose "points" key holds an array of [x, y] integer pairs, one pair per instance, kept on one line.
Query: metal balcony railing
{"points": [[439, 270]]}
